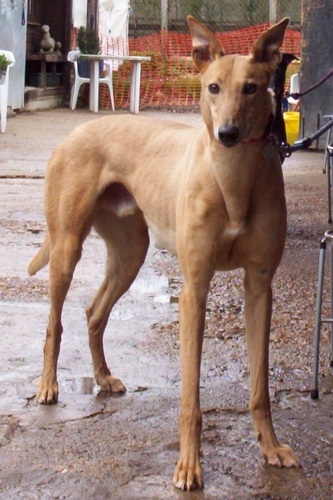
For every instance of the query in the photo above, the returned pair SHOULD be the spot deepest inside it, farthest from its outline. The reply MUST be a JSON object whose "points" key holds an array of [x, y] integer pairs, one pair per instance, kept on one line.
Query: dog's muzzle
{"points": [[228, 135]]}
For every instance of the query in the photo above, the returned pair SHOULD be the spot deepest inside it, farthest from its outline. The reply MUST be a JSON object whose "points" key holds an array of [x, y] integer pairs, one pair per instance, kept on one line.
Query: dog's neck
{"points": [[237, 178], [266, 134], [248, 141]]}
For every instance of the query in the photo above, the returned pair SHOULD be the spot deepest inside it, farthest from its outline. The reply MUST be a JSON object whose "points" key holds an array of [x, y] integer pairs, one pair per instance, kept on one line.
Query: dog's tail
{"points": [[41, 259]]}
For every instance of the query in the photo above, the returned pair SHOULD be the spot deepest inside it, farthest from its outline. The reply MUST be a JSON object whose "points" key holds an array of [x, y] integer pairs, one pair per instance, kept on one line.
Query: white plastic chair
{"points": [[4, 89], [294, 87], [79, 80]]}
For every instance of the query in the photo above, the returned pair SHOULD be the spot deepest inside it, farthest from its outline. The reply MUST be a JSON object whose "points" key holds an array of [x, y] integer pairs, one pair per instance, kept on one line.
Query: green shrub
{"points": [[88, 41], [4, 62]]}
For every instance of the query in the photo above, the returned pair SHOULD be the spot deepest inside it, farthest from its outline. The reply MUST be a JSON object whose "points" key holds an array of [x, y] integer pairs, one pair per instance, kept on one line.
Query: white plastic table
{"points": [[135, 78]]}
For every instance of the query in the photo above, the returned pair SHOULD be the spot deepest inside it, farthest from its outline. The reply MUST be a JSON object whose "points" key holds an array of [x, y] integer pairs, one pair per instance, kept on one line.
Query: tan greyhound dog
{"points": [[214, 196]]}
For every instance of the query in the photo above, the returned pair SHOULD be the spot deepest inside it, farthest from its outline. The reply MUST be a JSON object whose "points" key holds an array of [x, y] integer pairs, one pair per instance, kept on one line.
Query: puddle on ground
{"points": [[162, 299], [87, 386], [150, 284], [156, 286], [79, 398], [80, 385]]}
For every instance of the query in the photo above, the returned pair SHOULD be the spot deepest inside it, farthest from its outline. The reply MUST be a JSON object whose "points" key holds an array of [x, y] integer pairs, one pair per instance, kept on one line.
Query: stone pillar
{"points": [[316, 62]]}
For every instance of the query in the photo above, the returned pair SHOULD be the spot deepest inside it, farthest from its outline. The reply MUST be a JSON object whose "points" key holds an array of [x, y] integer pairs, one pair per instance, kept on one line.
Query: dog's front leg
{"points": [[188, 473], [258, 310]]}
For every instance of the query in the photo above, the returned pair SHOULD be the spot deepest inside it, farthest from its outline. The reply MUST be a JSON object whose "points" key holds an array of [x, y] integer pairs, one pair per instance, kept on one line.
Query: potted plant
{"points": [[88, 43], [4, 62]]}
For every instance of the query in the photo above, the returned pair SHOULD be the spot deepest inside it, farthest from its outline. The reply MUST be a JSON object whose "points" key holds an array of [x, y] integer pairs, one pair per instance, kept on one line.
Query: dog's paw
{"points": [[283, 456], [47, 394], [111, 384], [188, 476]]}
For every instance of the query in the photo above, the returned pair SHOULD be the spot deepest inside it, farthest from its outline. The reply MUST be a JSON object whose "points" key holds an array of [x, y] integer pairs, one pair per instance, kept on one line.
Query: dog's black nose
{"points": [[228, 135]]}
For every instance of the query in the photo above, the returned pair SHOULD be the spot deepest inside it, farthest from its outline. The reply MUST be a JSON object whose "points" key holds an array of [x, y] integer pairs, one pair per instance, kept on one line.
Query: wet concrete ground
{"points": [[91, 446]]}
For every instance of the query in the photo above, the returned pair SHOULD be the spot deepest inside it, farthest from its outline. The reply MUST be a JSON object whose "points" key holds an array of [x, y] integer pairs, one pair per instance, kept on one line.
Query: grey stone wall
{"points": [[317, 61]]}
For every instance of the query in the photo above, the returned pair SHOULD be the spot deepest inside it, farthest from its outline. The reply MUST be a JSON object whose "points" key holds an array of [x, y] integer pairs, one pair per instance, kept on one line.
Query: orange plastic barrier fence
{"points": [[171, 79]]}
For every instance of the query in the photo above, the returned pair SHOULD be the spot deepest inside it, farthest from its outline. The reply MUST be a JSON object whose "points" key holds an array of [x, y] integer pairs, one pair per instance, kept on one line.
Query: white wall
{"points": [[113, 16], [13, 36], [79, 13]]}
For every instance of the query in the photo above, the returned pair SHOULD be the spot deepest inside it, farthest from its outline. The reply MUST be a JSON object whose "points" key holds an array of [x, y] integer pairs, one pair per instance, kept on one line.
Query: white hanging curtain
{"points": [[113, 27]]}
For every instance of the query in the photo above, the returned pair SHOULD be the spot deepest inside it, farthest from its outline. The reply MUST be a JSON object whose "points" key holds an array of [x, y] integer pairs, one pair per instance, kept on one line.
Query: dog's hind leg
{"points": [[258, 307], [65, 253], [127, 242], [69, 218]]}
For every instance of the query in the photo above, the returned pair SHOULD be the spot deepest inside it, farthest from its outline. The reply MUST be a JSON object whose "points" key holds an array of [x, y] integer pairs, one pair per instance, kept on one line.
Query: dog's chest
{"points": [[165, 236]]}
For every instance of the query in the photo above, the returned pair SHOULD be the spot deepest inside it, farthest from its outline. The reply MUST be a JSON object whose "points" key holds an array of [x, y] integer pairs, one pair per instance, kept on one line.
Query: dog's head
{"points": [[235, 101]]}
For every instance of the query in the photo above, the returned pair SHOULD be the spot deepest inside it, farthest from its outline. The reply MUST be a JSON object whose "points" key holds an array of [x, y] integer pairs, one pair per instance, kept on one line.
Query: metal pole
{"points": [[164, 14], [329, 186], [274, 11], [318, 321]]}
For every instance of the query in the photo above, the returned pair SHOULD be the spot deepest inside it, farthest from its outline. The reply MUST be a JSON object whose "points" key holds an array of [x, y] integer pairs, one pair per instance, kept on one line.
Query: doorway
{"points": [[47, 74]]}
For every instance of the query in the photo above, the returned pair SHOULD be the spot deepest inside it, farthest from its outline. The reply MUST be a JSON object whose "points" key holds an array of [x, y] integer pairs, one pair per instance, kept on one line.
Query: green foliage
{"points": [[192, 86], [4, 62], [88, 41]]}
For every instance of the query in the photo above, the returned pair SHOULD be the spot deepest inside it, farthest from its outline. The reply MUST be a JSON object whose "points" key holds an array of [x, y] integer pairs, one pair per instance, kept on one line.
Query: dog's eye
{"points": [[250, 88], [213, 88]]}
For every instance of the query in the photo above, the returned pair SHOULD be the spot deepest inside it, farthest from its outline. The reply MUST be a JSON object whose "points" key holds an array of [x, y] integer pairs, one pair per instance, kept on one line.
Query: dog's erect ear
{"points": [[267, 48], [206, 47]]}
